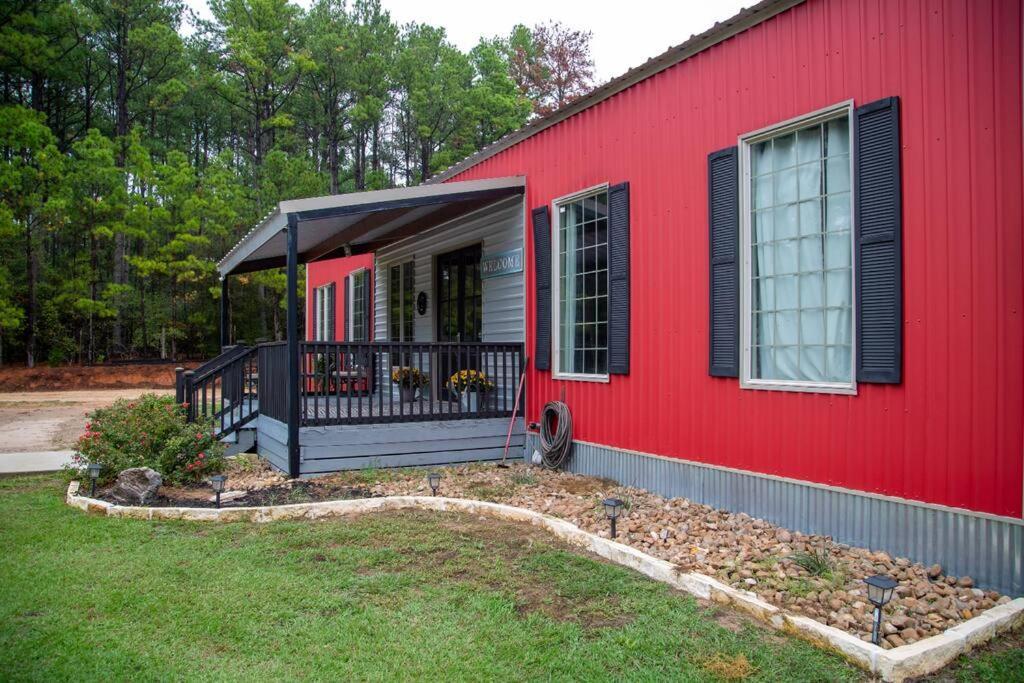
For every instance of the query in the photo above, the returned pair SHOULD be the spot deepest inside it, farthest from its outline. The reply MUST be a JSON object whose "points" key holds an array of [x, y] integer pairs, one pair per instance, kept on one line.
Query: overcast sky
{"points": [[621, 40]]}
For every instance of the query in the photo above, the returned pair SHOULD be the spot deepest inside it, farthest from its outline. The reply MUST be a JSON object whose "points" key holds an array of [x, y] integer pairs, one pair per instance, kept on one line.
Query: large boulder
{"points": [[135, 486]]}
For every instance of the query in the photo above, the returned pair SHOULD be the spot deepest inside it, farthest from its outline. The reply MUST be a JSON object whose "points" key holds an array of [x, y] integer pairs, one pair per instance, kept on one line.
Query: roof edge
{"points": [[721, 31]]}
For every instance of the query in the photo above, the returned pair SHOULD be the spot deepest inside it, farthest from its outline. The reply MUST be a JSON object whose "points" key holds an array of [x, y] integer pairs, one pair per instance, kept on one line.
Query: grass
{"points": [[401, 595]]}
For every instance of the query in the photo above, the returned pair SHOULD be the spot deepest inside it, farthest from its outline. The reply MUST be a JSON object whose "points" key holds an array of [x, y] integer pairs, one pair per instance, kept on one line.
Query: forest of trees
{"points": [[138, 143]]}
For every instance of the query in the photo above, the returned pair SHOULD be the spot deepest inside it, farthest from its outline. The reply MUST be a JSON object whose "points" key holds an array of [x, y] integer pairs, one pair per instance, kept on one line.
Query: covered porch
{"points": [[323, 406]]}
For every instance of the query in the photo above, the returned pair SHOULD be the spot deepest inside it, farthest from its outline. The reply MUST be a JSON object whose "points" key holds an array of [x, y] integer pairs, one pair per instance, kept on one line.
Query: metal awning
{"points": [[360, 222]]}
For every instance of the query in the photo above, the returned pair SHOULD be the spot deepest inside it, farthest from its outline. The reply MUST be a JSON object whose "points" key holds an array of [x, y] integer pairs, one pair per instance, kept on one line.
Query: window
{"points": [[323, 313], [581, 278], [357, 319], [798, 324], [400, 302]]}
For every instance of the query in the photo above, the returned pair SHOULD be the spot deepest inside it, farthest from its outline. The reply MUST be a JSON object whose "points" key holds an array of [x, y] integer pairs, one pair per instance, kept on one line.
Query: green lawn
{"points": [[397, 596]]}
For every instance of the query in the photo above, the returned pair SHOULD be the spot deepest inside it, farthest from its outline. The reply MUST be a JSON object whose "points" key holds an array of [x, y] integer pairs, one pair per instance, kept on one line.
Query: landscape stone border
{"points": [[917, 659]]}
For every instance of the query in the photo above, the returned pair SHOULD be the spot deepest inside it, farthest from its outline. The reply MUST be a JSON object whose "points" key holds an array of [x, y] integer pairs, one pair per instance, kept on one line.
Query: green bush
{"points": [[150, 431]]}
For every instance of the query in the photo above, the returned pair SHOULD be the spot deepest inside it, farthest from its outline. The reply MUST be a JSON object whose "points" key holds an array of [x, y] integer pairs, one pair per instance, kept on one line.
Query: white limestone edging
{"points": [[897, 664]]}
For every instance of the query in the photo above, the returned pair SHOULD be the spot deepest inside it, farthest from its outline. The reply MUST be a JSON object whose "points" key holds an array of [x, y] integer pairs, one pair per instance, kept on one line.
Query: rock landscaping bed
{"points": [[802, 573]]}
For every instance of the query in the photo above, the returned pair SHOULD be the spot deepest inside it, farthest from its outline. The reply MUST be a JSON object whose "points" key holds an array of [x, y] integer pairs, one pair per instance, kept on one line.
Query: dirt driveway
{"points": [[52, 420]]}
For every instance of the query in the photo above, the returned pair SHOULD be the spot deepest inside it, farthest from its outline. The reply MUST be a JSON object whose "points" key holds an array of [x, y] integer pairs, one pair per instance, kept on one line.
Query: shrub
{"points": [[150, 431]]}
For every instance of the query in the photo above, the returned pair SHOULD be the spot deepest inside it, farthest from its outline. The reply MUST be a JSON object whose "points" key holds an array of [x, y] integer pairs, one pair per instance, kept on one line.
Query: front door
{"points": [[459, 310]]}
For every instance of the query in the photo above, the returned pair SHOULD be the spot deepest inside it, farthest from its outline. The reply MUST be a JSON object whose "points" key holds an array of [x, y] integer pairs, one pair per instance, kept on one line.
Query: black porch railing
{"points": [[351, 383], [222, 390], [273, 380]]}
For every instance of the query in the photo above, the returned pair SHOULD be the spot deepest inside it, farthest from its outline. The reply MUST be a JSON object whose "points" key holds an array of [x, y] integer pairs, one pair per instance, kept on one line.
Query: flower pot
{"points": [[474, 401], [407, 394]]}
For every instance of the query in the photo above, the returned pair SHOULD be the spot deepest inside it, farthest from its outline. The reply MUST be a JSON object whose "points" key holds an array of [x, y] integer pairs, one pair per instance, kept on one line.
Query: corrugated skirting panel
{"points": [[989, 550]]}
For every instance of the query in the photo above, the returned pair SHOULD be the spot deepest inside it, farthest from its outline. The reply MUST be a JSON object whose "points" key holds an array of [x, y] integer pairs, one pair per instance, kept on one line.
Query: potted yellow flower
{"points": [[409, 380], [473, 389]]}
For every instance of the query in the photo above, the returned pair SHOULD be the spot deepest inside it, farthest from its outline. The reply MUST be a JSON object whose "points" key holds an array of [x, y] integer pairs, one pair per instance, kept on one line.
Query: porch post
{"points": [[293, 345], [225, 314]]}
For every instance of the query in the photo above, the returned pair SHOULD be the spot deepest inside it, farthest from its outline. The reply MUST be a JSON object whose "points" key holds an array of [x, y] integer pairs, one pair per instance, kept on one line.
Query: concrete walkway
{"points": [[38, 461]]}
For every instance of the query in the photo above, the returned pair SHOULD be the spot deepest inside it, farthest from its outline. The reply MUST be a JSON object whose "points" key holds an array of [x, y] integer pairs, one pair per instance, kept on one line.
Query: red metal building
{"points": [[332, 308], [948, 432]]}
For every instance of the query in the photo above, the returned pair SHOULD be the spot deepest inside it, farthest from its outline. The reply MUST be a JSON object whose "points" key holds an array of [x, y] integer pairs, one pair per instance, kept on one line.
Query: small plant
{"points": [[470, 380], [411, 378], [150, 431], [524, 479], [817, 562]]}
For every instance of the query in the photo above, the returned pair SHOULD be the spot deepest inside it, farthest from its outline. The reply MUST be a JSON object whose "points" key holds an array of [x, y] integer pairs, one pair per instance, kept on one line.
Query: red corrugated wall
{"points": [[320, 273], [951, 433]]}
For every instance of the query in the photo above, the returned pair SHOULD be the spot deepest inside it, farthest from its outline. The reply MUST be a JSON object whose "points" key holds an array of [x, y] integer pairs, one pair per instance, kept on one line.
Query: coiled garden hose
{"points": [[554, 448]]}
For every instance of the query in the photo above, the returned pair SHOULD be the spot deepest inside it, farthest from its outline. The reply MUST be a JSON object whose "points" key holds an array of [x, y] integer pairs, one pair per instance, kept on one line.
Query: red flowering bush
{"points": [[150, 431]]}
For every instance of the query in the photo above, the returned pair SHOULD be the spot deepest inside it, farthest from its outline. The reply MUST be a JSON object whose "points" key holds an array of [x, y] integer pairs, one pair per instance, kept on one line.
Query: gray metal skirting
{"points": [[990, 550]]}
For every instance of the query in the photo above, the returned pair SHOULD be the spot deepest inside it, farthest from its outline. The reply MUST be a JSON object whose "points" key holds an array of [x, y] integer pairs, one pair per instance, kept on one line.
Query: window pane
{"points": [[810, 217], [785, 186], [838, 137], [810, 180], [801, 287], [786, 222], [785, 151], [583, 300], [808, 144]]}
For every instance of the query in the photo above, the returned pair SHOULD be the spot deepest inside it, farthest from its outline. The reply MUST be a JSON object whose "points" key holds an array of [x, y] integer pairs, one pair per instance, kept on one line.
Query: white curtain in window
{"points": [[801, 287]]}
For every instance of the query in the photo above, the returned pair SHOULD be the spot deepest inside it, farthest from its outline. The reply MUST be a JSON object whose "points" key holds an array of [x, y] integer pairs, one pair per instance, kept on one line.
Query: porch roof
{"points": [[360, 222]]}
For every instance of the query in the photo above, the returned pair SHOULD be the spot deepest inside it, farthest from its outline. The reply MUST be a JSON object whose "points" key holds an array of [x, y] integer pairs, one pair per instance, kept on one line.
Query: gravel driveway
{"points": [[52, 420]]}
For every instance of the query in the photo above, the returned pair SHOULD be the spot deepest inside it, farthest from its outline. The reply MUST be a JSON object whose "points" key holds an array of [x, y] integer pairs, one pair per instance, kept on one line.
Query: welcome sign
{"points": [[502, 263]]}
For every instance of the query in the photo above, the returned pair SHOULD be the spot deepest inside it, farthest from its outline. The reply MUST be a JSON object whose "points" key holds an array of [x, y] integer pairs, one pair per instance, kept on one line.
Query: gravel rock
{"points": [[934, 571]]}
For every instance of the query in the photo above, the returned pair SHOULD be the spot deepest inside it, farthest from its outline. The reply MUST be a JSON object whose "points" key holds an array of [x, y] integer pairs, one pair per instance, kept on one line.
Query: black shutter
{"points": [[724, 270], [878, 227], [345, 319], [542, 267], [331, 313], [618, 279], [368, 305]]}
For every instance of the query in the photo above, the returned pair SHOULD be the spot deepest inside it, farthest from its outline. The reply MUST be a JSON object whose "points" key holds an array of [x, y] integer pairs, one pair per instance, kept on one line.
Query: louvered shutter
{"points": [[618, 279], [542, 269], [878, 226], [724, 274], [348, 300], [330, 313]]}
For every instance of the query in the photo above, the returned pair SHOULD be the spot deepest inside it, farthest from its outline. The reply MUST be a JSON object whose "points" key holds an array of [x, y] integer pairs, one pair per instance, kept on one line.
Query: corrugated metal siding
{"points": [[498, 227], [952, 432], [320, 273], [991, 551]]}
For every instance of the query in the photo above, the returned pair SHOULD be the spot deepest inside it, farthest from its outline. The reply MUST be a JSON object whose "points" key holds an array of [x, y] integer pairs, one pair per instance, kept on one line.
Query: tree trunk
{"points": [[30, 312]]}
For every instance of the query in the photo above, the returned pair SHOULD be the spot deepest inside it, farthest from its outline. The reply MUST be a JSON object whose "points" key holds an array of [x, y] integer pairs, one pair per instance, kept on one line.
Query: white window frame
{"points": [[401, 265], [320, 311], [745, 142], [350, 332], [556, 283]]}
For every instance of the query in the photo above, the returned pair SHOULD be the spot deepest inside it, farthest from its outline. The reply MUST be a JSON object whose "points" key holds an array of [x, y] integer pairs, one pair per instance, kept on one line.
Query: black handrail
{"points": [[223, 392], [351, 383]]}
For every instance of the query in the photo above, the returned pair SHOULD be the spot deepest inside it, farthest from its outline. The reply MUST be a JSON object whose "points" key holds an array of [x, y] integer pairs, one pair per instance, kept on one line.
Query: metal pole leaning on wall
{"points": [[293, 345]]}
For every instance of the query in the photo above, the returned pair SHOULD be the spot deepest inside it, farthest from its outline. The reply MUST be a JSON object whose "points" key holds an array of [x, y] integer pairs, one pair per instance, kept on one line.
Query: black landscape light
{"points": [[218, 484], [612, 506], [94, 474], [434, 479], [880, 590]]}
